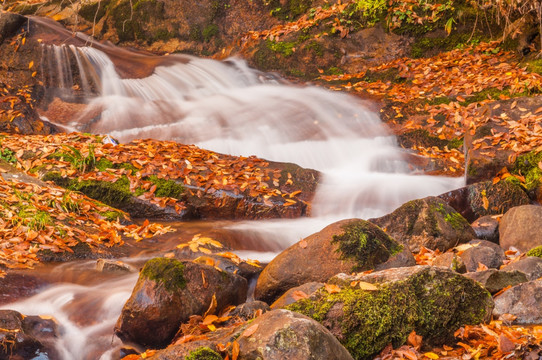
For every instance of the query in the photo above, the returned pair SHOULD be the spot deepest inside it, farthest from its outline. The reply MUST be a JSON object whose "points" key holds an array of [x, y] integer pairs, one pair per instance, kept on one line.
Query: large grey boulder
{"points": [[521, 227]]}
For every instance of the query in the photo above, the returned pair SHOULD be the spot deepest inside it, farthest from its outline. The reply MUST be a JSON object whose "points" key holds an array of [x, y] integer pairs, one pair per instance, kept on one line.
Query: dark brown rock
{"points": [[167, 293], [344, 246], [107, 265], [294, 294], [523, 301], [18, 285], [428, 222], [521, 227], [486, 228], [494, 280], [482, 252], [530, 266], [26, 337], [485, 198]]}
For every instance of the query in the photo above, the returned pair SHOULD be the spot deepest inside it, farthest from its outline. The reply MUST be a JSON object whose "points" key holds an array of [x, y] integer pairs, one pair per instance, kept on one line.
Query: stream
{"points": [[226, 107]]}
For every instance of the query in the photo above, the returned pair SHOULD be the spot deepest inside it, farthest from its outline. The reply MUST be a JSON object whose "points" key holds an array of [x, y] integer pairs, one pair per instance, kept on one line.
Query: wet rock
{"points": [[296, 293], [18, 285], [521, 227], [494, 280], [26, 338], [451, 261], [401, 259], [530, 266], [107, 265], [430, 300], [486, 228], [344, 246], [167, 293], [9, 24], [482, 252], [485, 198], [523, 301], [278, 334], [233, 265], [427, 222]]}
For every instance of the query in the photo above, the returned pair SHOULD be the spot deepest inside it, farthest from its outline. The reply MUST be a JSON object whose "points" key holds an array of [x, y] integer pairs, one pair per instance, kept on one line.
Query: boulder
{"points": [[482, 252], [523, 301], [428, 222], [521, 227], [430, 300], [28, 337], [494, 280], [296, 293], [485, 198], [249, 310], [486, 228], [344, 246], [276, 335], [112, 266], [530, 266], [168, 292], [451, 261], [9, 24]]}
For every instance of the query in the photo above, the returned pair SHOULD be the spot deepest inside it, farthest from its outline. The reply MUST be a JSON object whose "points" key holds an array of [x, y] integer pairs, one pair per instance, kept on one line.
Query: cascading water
{"points": [[229, 108]]}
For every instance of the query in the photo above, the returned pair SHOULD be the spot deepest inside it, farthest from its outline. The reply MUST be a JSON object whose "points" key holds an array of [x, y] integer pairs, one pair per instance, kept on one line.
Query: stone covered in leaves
{"points": [[168, 292], [432, 301], [521, 227], [344, 246], [428, 222], [278, 334]]}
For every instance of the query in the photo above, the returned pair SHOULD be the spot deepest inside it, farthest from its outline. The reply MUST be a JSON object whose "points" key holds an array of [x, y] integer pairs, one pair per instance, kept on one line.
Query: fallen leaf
{"points": [[250, 331], [431, 355], [332, 288], [298, 295], [235, 350], [367, 286]]}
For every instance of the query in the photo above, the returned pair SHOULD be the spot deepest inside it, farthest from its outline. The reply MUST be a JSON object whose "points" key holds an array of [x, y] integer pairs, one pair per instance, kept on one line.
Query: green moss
{"points": [[8, 155], [455, 219], [439, 100], [203, 353], [289, 9], [94, 11], [455, 143], [428, 46], [420, 137], [209, 32], [281, 47], [168, 272], [536, 251], [316, 47], [527, 166], [166, 188], [391, 75], [116, 194], [104, 164], [365, 244], [129, 18]]}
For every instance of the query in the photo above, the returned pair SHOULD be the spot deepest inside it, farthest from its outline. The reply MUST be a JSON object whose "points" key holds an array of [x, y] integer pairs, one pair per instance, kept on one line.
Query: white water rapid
{"points": [[229, 108]]}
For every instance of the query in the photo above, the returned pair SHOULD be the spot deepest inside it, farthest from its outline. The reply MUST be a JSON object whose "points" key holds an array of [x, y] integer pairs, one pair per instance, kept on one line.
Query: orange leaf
{"points": [[332, 288], [414, 340], [249, 331], [209, 319], [481, 267], [298, 295], [235, 350]]}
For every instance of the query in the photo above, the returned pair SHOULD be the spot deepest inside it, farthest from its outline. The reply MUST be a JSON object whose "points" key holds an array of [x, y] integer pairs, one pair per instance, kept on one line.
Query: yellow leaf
{"points": [[211, 327], [431, 355], [30, 64], [367, 286]]}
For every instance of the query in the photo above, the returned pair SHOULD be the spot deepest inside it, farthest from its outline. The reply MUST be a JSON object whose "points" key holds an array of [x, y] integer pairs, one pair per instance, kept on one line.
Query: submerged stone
{"points": [[432, 301]]}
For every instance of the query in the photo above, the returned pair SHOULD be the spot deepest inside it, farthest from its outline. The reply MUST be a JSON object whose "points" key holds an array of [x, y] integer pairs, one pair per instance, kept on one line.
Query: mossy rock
{"points": [[344, 246], [486, 198], [428, 222], [168, 272], [432, 301]]}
